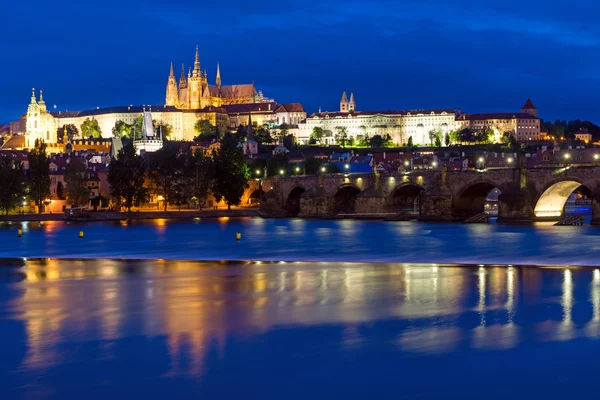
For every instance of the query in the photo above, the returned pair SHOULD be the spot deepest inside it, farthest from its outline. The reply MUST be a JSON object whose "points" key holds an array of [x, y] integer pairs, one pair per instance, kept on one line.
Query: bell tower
{"points": [[171, 97], [344, 103]]}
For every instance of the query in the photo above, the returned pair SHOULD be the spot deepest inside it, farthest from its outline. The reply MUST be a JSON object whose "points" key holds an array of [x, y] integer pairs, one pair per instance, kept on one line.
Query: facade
{"points": [[399, 124], [39, 123], [194, 92], [583, 135], [416, 124]]}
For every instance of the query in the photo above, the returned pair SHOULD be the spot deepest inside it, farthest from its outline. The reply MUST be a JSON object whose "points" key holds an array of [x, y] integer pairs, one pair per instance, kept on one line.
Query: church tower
{"points": [[529, 108], [352, 103], [183, 89], [171, 97], [344, 103], [195, 84], [40, 123], [218, 80]]}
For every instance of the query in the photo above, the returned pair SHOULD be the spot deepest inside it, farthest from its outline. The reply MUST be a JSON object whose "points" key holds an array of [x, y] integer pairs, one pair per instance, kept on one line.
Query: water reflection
{"points": [[199, 308]]}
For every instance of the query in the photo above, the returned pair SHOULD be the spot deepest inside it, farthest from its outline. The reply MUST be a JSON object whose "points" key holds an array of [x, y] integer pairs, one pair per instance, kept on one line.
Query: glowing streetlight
{"points": [[596, 156], [481, 160], [280, 172], [434, 164], [347, 166], [258, 172], [406, 163], [510, 160], [567, 156], [297, 169], [322, 169]]}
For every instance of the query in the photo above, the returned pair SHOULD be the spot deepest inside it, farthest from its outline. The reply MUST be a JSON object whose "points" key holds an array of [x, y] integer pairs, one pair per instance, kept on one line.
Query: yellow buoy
{"points": [[19, 232], [80, 234], [238, 236]]}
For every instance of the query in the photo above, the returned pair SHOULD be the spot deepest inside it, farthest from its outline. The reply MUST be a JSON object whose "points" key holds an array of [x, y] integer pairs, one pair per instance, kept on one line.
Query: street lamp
{"points": [[323, 169], [481, 160], [434, 164], [297, 169], [596, 156], [510, 160], [258, 172], [406, 163], [567, 156], [347, 166], [281, 172]]}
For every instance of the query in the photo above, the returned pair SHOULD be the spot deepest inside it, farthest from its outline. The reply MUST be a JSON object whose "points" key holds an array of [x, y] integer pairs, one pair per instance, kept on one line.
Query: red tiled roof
{"points": [[14, 142], [528, 105]]}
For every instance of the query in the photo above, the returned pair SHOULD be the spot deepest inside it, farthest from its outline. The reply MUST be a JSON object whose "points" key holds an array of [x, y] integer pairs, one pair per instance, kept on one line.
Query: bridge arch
{"points": [[404, 195], [292, 202], [471, 199], [344, 199], [554, 196]]}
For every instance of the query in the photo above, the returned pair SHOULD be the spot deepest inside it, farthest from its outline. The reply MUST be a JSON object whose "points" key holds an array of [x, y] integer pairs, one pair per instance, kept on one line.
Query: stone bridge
{"points": [[527, 195]]}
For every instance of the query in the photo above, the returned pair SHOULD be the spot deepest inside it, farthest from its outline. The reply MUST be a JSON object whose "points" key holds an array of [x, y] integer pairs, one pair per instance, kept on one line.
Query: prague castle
{"points": [[194, 92]]}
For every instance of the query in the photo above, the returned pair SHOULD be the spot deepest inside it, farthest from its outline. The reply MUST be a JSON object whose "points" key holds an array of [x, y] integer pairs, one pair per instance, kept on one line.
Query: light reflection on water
{"points": [[205, 321]]}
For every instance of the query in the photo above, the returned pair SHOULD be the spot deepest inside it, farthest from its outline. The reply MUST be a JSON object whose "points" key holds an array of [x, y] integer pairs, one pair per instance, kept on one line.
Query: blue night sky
{"points": [[479, 56]]}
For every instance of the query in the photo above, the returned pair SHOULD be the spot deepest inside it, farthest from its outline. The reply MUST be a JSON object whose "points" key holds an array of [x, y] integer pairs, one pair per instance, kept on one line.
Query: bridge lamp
{"points": [[322, 169], [297, 169], [434, 164], [510, 160], [347, 166], [481, 159], [596, 156], [258, 172], [406, 163], [567, 156], [280, 172]]}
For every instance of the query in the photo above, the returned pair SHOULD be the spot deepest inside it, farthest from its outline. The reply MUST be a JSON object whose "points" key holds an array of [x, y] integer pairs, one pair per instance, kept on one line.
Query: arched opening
{"points": [[255, 196], [553, 200], [477, 198], [292, 204], [344, 200], [405, 197]]}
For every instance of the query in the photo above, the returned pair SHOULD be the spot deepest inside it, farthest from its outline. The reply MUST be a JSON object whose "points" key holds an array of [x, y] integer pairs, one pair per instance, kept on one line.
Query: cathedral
{"points": [[193, 92]]}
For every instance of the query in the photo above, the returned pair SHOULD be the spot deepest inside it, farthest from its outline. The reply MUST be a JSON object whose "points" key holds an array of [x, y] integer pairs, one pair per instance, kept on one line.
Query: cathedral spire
{"points": [[250, 133], [197, 71], [33, 99], [182, 80], [218, 75], [41, 97], [171, 74]]}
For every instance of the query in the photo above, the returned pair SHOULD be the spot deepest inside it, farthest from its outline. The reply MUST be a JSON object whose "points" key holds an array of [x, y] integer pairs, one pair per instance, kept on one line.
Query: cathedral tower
{"points": [[352, 103], [183, 89], [344, 103], [195, 84], [171, 97]]}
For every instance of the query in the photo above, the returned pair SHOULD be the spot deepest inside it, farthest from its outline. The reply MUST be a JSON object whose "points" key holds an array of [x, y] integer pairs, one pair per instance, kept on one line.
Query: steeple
{"points": [[250, 133], [42, 98], [171, 74], [182, 80], [197, 71], [42, 103], [352, 103], [33, 99], [218, 76], [344, 103]]}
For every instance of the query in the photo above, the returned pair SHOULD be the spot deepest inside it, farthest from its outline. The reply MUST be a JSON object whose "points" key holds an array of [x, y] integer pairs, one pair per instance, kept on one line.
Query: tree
{"points": [[39, 174], [204, 127], [410, 142], [166, 172], [447, 139], [71, 131], [231, 172], [12, 184], [312, 166], [198, 173], [60, 195], [262, 135], [317, 134], [388, 141], [376, 141], [283, 130], [240, 133], [91, 129], [77, 191], [163, 128], [485, 135], [363, 141], [289, 141], [276, 164], [341, 136], [126, 177], [435, 136], [122, 130]]}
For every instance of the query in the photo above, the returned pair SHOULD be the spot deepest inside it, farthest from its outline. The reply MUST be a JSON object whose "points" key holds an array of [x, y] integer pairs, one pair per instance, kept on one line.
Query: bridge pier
{"points": [[436, 205], [515, 205], [370, 200], [596, 208], [314, 203]]}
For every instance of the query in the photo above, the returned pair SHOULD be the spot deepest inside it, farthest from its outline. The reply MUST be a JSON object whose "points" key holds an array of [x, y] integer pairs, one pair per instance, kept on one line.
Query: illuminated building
{"points": [[150, 141], [194, 92]]}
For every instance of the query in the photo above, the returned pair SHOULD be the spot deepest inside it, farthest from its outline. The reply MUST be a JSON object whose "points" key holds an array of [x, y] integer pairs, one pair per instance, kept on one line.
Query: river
{"points": [[125, 317]]}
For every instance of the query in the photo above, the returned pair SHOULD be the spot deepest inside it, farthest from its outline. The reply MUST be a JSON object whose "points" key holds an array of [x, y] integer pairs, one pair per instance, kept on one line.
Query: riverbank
{"points": [[138, 215]]}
